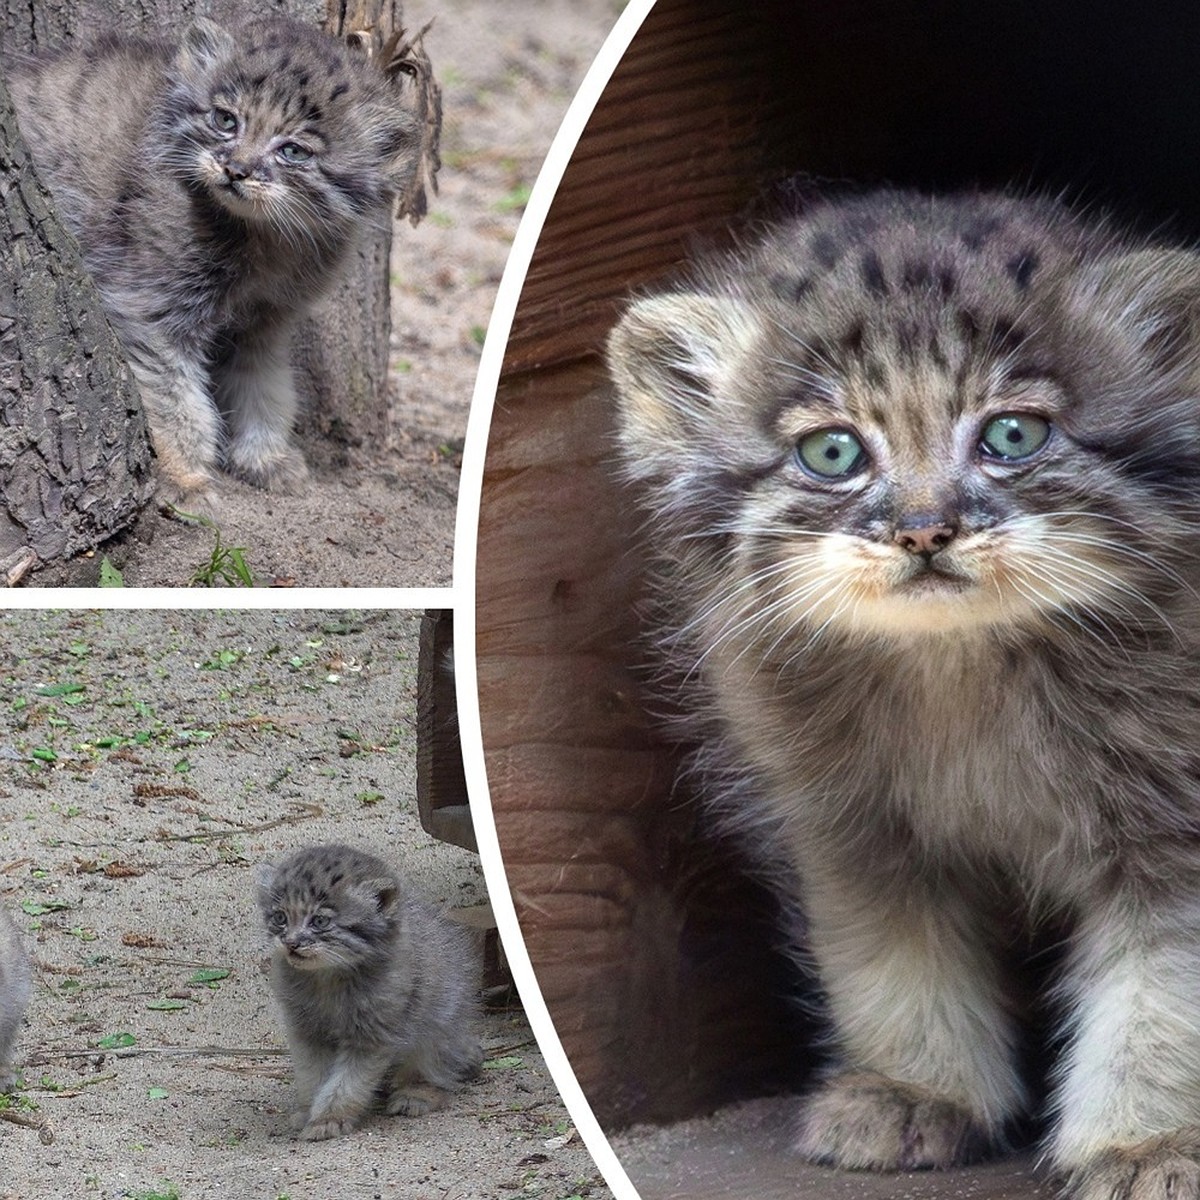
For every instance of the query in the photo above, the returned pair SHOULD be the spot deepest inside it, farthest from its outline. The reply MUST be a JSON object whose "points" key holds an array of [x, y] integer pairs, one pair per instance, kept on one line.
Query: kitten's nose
{"points": [[924, 533], [236, 169]]}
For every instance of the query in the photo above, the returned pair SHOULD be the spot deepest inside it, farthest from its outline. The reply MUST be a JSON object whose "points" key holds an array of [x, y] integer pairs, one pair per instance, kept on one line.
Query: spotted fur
{"points": [[938, 684]]}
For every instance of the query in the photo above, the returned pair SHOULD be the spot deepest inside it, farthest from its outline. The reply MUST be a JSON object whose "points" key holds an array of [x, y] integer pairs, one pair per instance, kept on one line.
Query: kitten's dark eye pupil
{"points": [[293, 152], [1011, 437], [831, 453]]}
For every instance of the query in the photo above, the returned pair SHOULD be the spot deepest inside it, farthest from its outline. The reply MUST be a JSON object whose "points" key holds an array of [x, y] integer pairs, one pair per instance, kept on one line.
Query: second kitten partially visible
{"points": [[377, 990], [15, 986]]}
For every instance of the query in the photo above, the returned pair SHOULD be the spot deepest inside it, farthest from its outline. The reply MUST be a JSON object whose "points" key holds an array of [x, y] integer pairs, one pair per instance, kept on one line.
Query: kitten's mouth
{"points": [[935, 579], [236, 198], [303, 958]]}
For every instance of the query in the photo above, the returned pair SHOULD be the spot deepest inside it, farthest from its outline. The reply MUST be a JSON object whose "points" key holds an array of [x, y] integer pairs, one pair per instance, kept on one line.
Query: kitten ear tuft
{"points": [[204, 43], [667, 357], [1154, 296]]}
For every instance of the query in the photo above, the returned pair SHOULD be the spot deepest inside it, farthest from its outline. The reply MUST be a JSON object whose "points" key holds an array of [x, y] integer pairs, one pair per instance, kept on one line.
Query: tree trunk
{"points": [[75, 461], [341, 353]]}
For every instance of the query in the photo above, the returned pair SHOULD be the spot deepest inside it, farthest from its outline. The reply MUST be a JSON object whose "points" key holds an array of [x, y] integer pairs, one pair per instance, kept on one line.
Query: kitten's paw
{"points": [[191, 499], [321, 1129], [285, 471], [415, 1100], [869, 1122], [1156, 1169]]}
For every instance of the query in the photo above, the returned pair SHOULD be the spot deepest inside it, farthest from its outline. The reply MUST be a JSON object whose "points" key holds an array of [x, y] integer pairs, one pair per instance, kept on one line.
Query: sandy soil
{"points": [[508, 69], [147, 760]]}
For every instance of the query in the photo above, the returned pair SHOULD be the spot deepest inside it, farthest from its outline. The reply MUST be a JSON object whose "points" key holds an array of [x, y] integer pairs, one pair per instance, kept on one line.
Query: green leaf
{"points": [[505, 1063], [240, 569], [157, 1093], [518, 197], [38, 908], [109, 575], [116, 1040], [44, 754], [210, 975], [59, 689]]}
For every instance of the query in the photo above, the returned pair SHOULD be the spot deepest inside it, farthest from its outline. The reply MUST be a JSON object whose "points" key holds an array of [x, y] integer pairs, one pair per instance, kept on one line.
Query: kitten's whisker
{"points": [[1064, 567]]}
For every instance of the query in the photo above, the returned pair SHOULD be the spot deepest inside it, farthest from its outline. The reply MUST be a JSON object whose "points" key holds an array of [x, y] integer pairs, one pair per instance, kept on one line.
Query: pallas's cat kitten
{"points": [[15, 986], [377, 990], [216, 188], [924, 479]]}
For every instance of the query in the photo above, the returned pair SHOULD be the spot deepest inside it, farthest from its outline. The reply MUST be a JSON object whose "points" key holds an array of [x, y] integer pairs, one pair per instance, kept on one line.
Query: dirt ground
{"points": [[147, 760], [508, 69]]}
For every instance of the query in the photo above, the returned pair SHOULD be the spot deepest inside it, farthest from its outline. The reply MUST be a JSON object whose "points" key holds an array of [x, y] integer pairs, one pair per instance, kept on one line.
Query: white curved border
{"points": [[470, 486]]}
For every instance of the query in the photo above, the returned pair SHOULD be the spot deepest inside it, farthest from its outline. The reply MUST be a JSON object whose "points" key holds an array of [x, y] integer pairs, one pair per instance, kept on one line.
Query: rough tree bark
{"points": [[341, 355], [75, 461]]}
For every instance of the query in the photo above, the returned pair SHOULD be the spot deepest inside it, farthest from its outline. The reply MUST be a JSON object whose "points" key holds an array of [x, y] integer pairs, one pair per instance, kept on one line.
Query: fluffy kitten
{"points": [[216, 189], [377, 990], [923, 478], [15, 986]]}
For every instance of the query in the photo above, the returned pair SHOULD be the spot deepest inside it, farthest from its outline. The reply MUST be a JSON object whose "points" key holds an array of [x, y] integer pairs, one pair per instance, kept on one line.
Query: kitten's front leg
{"points": [[927, 1040], [256, 392], [1129, 1101], [345, 1094], [311, 1063], [185, 427]]}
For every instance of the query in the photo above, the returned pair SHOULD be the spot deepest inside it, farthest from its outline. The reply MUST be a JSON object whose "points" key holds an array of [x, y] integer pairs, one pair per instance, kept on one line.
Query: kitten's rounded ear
{"points": [[1154, 296], [667, 356], [263, 875], [385, 893], [204, 42]]}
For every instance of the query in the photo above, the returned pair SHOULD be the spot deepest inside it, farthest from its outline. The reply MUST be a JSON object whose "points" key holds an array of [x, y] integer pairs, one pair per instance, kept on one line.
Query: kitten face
{"points": [[921, 418], [286, 126], [322, 918]]}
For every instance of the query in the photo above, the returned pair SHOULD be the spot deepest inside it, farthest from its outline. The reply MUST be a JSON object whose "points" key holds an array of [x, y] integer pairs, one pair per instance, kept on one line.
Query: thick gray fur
{"points": [[377, 991], [15, 986], [217, 186], [943, 685]]}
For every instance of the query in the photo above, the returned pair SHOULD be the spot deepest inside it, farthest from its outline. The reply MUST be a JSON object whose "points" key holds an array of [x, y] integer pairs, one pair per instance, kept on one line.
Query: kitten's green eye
{"points": [[320, 921], [293, 153], [223, 120], [1014, 436], [277, 919], [831, 453]]}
